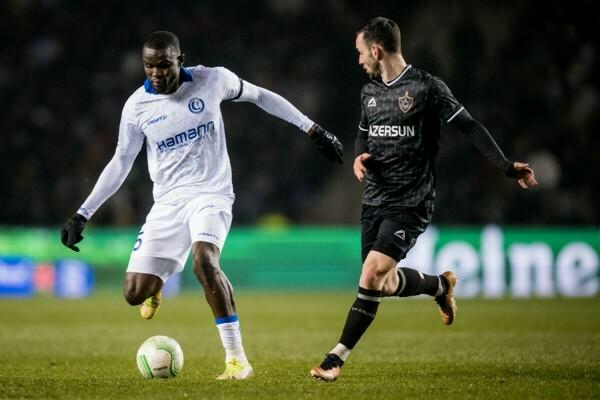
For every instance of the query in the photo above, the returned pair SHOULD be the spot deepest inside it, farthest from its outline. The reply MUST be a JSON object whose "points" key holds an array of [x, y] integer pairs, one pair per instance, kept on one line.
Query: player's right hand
{"points": [[523, 173], [327, 143], [359, 166], [70, 234]]}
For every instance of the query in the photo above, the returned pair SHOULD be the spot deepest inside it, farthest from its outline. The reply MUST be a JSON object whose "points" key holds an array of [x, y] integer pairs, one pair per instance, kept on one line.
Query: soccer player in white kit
{"points": [[177, 111]]}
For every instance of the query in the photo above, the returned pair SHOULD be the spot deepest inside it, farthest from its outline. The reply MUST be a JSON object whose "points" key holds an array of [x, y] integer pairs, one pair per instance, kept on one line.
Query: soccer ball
{"points": [[160, 357]]}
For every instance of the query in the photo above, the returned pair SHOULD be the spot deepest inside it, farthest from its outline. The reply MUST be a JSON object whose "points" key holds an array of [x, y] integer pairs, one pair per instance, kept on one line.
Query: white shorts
{"points": [[165, 240]]}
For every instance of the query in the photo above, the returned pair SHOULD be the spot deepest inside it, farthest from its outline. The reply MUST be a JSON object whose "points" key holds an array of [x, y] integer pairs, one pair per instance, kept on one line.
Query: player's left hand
{"points": [[327, 143], [70, 234], [359, 166], [524, 175]]}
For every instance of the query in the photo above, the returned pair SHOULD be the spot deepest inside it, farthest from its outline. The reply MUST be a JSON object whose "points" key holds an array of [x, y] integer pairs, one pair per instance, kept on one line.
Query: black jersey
{"points": [[400, 123]]}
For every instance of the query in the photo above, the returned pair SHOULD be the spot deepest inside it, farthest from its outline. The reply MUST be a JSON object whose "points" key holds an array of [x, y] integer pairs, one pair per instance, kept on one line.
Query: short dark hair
{"points": [[382, 31], [162, 40]]}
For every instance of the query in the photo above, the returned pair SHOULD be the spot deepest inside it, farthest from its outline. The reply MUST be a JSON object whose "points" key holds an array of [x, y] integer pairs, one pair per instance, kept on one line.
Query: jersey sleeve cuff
{"points": [[306, 124], [509, 169], [85, 212]]}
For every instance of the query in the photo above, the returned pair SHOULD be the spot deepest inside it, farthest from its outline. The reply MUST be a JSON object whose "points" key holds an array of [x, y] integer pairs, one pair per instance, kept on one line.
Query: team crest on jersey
{"points": [[372, 103], [405, 102], [196, 105]]}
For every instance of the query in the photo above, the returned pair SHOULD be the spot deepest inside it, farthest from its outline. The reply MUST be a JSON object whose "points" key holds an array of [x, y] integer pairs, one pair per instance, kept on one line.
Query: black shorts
{"points": [[392, 230]]}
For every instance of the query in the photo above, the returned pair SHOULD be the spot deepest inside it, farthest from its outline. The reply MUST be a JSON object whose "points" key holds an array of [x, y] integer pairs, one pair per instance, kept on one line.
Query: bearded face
{"points": [[366, 59]]}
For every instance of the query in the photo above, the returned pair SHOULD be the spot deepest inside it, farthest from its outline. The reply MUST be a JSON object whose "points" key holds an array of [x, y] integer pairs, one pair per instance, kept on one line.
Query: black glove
{"points": [[327, 143], [70, 234]]}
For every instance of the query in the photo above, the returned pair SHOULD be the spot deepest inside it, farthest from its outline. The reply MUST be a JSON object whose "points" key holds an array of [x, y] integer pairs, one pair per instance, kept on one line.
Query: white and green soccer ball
{"points": [[160, 357]]}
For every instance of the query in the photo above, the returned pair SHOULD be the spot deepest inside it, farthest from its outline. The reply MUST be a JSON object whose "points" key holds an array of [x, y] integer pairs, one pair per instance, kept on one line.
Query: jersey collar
{"points": [[184, 76], [396, 79]]}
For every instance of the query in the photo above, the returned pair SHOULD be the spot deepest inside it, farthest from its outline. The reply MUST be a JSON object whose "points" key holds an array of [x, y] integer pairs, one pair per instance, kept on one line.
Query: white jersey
{"points": [[185, 136]]}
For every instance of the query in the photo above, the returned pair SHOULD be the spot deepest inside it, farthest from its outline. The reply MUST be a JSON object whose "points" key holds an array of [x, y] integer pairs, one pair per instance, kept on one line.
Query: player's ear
{"points": [[376, 52], [181, 59], [373, 51]]}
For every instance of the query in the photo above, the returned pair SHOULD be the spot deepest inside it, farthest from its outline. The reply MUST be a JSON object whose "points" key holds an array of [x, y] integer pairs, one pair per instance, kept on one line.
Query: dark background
{"points": [[528, 72]]}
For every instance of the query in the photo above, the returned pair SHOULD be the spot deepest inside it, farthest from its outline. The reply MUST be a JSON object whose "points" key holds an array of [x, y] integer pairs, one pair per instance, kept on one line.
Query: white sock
{"points": [[231, 337], [341, 351]]}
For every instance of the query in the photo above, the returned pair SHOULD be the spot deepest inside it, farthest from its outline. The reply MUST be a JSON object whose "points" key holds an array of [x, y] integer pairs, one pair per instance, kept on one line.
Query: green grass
{"points": [[497, 349]]}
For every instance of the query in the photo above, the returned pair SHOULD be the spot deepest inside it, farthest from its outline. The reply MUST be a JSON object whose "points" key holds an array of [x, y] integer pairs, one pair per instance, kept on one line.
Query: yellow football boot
{"points": [[150, 306], [234, 369]]}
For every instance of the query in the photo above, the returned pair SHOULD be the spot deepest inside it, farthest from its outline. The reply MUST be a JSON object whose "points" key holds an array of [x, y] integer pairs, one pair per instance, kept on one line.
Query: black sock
{"points": [[360, 316], [445, 284], [332, 361], [413, 282]]}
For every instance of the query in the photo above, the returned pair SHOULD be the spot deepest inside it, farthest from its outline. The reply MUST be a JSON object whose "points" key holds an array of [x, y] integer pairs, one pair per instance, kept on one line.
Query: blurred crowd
{"points": [[528, 73]]}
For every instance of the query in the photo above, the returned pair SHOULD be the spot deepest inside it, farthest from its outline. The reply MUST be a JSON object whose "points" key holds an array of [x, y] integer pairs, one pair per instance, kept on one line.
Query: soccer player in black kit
{"points": [[403, 108]]}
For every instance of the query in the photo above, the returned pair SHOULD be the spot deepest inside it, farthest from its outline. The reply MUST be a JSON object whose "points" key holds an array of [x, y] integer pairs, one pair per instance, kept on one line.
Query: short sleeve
{"points": [[444, 102], [231, 85], [131, 137]]}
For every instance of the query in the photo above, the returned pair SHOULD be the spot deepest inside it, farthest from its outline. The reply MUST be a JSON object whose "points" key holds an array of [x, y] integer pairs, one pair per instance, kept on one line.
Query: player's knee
{"points": [[207, 274], [133, 295], [370, 280], [206, 262], [376, 270], [138, 287], [374, 275]]}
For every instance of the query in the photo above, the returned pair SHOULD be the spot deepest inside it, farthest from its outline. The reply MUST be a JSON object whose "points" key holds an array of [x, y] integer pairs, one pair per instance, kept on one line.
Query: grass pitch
{"points": [[510, 349]]}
